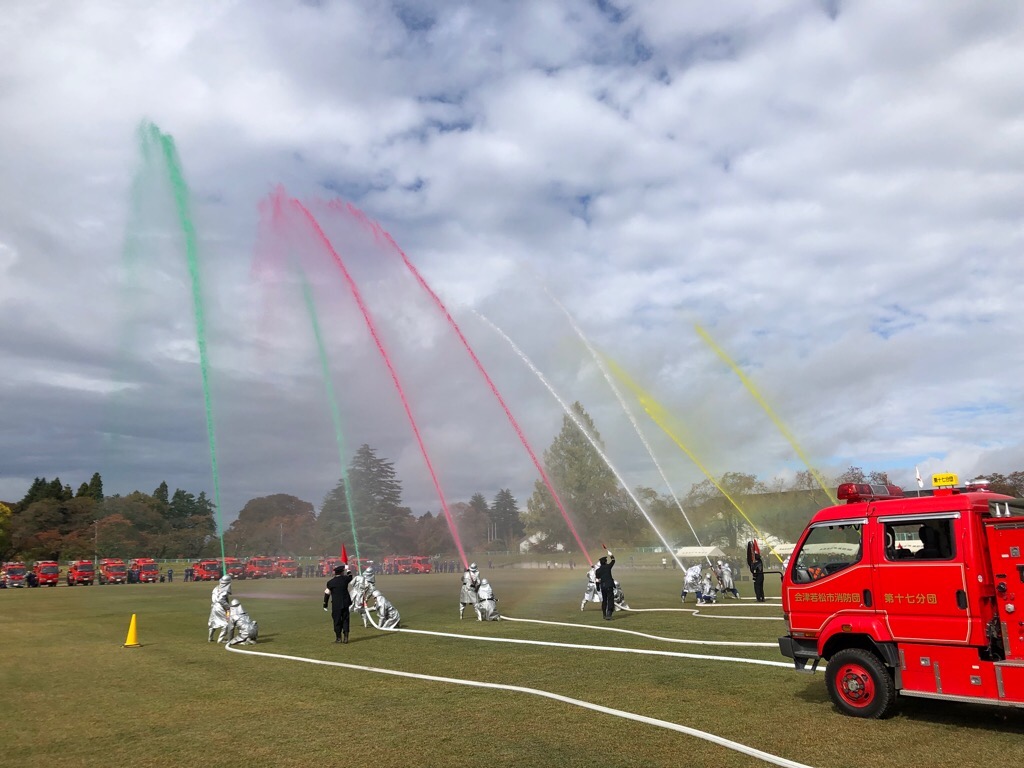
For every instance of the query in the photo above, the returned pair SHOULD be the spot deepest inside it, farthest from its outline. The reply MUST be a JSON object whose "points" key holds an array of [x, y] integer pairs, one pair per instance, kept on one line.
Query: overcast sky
{"points": [[833, 190]]}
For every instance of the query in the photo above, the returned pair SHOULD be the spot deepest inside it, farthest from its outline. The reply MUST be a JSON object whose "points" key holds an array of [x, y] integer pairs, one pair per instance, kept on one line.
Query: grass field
{"points": [[74, 697]]}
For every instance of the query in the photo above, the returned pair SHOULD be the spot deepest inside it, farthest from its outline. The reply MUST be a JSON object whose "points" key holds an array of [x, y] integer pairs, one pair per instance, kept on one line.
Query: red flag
{"points": [[344, 554], [757, 548]]}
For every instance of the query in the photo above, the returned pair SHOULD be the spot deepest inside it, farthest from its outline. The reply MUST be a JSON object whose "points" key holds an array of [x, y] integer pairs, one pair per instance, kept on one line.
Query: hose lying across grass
{"points": [[737, 643], [710, 737]]}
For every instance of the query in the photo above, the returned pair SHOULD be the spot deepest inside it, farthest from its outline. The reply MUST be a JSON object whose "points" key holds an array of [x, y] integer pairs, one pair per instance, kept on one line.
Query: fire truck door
{"points": [[920, 579]]}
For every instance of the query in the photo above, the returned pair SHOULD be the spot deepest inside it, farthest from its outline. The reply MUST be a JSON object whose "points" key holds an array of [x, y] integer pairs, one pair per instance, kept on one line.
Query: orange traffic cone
{"points": [[132, 641]]}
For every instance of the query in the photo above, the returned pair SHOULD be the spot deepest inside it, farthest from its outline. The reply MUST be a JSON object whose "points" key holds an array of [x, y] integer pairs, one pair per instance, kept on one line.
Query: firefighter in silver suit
{"points": [[691, 582], [239, 621], [468, 593], [487, 608], [726, 580], [619, 597], [387, 615], [360, 590], [219, 605], [591, 595]]}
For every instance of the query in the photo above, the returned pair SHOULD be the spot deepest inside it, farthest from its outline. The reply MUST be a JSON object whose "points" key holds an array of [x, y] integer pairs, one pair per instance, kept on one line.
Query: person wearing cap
{"points": [[219, 605], [337, 593], [606, 583], [757, 572], [241, 621], [470, 585]]}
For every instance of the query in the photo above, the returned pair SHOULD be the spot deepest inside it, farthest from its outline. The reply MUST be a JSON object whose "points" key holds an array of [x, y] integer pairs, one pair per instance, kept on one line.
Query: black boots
{"points": [[344, 638]]}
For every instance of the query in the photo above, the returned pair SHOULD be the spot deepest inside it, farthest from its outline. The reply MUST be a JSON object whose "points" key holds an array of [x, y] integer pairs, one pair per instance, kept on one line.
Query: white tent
{"points": [[699, 553]]}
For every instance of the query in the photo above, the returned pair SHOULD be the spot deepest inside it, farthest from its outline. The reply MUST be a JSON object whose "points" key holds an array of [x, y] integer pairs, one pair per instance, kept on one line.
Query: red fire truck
{"points": [[113, 571], [47, 572], [206, 570], [259, 567], [235, 567], [286, 568], [81, 572], [910, 595], [420, 564], [13, 574], [148, 570]]}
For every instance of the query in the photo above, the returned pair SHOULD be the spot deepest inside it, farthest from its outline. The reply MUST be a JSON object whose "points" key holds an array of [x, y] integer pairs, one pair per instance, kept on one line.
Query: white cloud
{"points": [[835, 198]]}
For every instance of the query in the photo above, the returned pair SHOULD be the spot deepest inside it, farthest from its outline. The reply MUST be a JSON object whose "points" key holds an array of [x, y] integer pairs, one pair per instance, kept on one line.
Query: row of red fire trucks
{"points": [[389, 565], [114, 570]]}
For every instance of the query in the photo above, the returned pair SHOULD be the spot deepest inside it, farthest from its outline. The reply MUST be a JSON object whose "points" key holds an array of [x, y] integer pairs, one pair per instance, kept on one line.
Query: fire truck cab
{"points": [[146, 567], [235, 567], [286, 568], [259, 567], [13, 574], [206, 570], [81, 572], [47, 572], [113, 571], [915, 596], [420, 564]]}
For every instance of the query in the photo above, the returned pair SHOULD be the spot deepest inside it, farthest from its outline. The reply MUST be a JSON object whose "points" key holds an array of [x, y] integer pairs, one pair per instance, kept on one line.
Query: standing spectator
{"points": [[607, 584], [337, 593], [664, 563], [170, 575]]}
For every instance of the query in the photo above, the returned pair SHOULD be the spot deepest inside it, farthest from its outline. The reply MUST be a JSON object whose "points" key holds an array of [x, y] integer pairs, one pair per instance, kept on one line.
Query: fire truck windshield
{"points": [[828, 549], [85, 566], [15, 571], [49, 569], [116, 568], [149, 566]]}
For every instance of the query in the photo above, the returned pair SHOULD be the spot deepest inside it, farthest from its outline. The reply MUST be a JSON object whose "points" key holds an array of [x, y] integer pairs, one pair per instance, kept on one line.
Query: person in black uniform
{"points": [[341, 601], [606, 583], [757, 571]]}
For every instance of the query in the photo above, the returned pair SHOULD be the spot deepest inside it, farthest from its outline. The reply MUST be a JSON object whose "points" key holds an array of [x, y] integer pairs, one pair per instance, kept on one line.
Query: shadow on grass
{"points": [[975, 716]]}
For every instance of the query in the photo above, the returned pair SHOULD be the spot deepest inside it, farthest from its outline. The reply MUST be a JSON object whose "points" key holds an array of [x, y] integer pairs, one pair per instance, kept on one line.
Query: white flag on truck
{"points": [[917, 473]]}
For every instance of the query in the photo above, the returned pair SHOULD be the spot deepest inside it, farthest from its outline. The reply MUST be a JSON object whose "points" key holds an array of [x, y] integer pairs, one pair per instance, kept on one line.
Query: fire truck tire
{"points": [[859, 684]]}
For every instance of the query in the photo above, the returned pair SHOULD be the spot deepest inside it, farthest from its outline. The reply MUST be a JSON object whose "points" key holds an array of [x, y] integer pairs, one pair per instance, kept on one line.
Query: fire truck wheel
{"points": [[859, 684]]}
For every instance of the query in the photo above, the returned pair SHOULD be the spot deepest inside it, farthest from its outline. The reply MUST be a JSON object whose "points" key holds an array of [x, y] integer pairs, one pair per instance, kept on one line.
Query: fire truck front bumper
{"points": [[800, 651]]}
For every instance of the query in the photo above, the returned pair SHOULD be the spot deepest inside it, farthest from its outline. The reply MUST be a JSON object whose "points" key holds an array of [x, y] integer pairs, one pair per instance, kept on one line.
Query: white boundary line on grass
{"points": [[697, 613], [710, 737], [581, 646], [739, 643]]}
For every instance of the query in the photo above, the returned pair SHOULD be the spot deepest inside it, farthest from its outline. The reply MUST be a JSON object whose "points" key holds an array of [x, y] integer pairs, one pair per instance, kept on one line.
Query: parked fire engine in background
{"points": [[81, 572], [916, 596], [420, 564], [113, 571], [327, 565], [286, 568], [235, 567], [47, 572], [206, 570], [259, 567], [146, 568], [13, 574]]}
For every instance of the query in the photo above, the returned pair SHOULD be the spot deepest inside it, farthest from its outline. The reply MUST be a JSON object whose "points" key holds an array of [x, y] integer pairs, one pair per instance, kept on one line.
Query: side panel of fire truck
{"points": [[923, 594]]}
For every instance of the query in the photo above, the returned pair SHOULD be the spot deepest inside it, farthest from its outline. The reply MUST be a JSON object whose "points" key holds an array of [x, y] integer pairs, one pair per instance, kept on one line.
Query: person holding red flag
{"points": [[756, 566]]}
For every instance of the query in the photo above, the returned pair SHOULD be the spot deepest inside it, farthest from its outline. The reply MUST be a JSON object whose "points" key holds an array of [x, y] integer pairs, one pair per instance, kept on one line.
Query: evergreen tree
{"points": [[505, 513], [83, 490], [161, 494], [586, 486], [96, 486], [382, 524]]}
